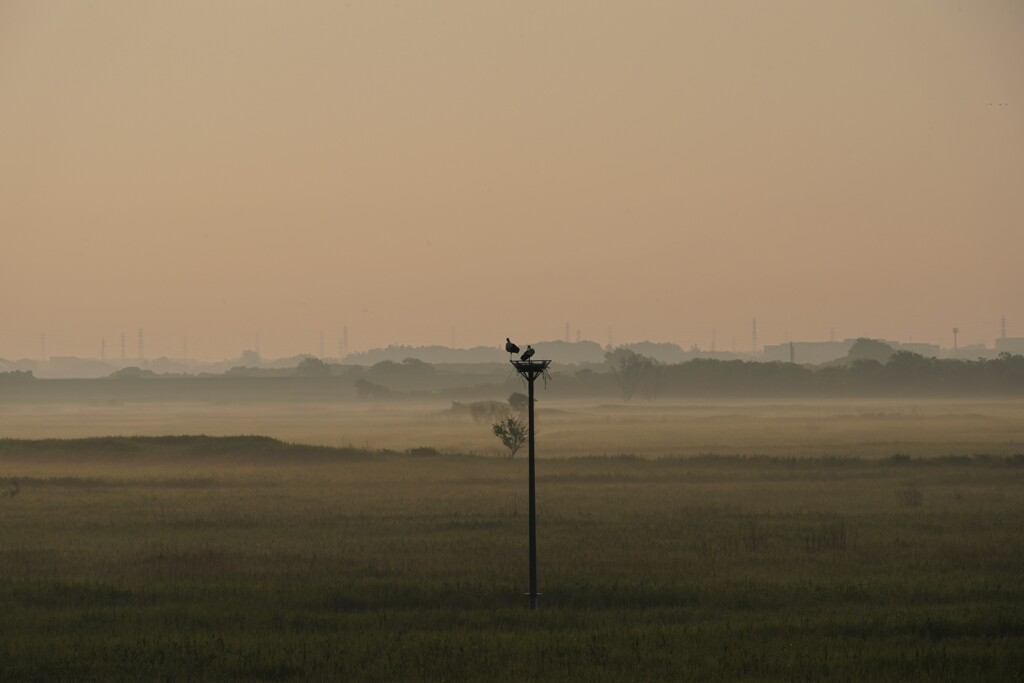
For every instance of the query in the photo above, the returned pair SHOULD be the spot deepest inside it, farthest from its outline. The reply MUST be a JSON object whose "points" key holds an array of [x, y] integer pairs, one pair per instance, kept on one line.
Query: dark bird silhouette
{"points": [[510, 347], [528, 353]]}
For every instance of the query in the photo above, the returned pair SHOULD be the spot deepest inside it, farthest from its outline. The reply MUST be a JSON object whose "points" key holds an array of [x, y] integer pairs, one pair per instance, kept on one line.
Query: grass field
{"points": [[188, 558]]}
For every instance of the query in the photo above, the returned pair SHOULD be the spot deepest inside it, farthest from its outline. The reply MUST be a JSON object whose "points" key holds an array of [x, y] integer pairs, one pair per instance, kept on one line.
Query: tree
{"points": [[633, 372], [410, 367], [869, 349], [250, 358], [312, 367], [519, 402], [512, 433], [368, 390]]}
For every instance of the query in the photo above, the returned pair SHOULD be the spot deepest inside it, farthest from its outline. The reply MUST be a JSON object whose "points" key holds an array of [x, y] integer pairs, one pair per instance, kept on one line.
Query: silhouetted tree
{"points": [[870, 349], [633, 372], [368, 390], [410, 367], [519, 402], [250, 358], [512, 433], [312, 367]]}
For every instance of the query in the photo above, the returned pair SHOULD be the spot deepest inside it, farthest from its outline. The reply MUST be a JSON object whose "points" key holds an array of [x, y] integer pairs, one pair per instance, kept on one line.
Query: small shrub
{"points": [[908, 496], [485, 411]]}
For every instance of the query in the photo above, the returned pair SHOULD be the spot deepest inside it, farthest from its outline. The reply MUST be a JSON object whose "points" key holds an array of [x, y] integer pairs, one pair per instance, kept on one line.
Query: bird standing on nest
{"points": [[510, 347], [528, 353]]}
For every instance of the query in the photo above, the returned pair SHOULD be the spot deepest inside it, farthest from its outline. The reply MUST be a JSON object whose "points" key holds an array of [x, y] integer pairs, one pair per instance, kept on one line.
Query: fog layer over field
{"points": [[832, 428]]}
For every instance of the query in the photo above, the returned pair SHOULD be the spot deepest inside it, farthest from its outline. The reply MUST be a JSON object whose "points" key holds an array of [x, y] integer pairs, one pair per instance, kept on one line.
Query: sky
{"points": [[217, 173]]}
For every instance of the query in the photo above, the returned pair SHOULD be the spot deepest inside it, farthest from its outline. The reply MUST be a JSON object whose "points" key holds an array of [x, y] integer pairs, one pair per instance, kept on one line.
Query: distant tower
{"points": [[123, 354], [956, 331], [578, 336], [753, 336], [344, 339], [453, 336], [142, 349], [567, 333], [257, 349], [184, 348], [103, 348], [832, 334], [792, 353], [42, 347], [321, 343], [1002, 328], [714, 339]]}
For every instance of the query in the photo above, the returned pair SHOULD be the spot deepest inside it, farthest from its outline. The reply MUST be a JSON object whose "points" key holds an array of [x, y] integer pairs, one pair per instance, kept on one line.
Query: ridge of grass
{"points": [[262, 448]]}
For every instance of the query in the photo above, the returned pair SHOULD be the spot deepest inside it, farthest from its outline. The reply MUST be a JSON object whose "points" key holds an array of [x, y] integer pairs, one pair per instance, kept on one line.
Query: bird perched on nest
{"points": [[528, 353], [510, 347]]}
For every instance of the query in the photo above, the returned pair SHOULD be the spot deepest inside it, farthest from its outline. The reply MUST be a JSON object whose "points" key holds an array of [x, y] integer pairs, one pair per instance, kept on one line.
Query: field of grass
{"points": [[189, 558]]}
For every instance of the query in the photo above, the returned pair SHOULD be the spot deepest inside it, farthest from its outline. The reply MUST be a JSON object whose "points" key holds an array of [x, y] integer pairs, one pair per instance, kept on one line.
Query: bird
{"points": [[528, 353], [510, 347]]}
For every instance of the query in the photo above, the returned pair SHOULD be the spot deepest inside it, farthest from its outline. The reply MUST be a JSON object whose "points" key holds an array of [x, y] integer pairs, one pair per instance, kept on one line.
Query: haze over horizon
{"points": [[214, 171]]}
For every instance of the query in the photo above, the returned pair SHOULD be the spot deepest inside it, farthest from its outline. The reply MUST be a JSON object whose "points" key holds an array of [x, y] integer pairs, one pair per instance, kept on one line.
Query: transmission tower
{"points": [[753, 336]]}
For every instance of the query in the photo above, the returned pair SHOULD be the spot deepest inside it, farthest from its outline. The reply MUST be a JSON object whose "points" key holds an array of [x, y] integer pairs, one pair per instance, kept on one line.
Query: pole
{"points": [[530, 370], [533, 508]]}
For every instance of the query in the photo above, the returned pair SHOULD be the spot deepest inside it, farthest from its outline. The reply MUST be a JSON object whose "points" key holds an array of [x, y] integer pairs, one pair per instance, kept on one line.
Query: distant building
{"points": [[1014, 345], [972, 352], [816, 353], [71, 366], [812, 353]]}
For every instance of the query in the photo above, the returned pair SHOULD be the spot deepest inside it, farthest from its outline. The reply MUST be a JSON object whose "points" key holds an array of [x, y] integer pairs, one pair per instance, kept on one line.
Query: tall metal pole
{"points": [[533, 507], [530, 371]]}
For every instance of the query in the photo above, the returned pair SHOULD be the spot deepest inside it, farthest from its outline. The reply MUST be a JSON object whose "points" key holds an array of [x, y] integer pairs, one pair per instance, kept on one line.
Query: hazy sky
{"points": [[218, 170]]}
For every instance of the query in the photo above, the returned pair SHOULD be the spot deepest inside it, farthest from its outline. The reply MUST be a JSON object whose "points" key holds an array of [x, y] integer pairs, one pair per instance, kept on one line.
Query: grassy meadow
{"points": [[737, 542]]}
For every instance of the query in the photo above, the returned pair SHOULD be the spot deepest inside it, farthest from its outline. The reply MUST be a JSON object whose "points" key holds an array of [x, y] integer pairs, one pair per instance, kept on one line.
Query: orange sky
{"points": [[218, 170]]}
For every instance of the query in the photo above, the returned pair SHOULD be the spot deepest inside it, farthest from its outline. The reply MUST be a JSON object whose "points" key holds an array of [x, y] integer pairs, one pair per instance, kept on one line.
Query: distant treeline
{"points": [[904, 373], [624, 374]]}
